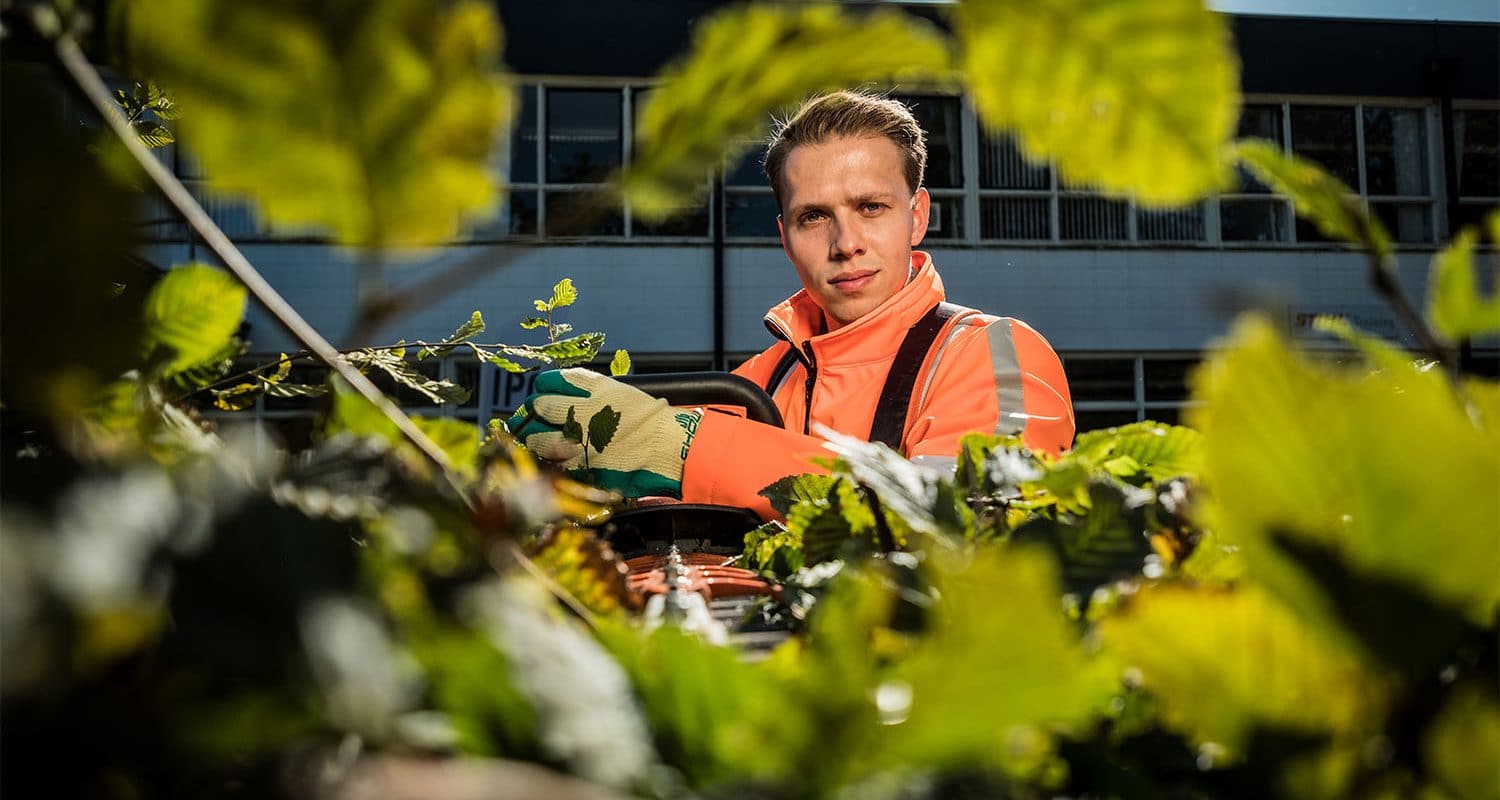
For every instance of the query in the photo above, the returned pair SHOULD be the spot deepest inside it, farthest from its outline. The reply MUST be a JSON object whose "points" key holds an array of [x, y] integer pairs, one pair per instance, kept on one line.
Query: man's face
{"points": [[849, 223]]}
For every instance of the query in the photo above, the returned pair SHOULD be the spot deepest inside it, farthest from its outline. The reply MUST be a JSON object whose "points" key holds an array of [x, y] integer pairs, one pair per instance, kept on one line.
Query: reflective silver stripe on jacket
{"points": [[1008, 380]]}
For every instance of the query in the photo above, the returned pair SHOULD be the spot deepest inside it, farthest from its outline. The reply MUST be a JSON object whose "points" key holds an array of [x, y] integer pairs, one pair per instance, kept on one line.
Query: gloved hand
{"points": [[636, 444]]}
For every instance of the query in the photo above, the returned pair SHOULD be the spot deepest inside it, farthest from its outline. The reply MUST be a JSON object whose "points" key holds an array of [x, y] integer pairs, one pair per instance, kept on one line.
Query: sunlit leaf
{"points": [[1160, 451], [286, 390], [435, 389], [1335, 208], [471, 328], [1261, 664], [1108, 542], [1461, 744], [578, 349], [532, 323], [194, 310], [564, 294], [620, 364], [152, 134], [602, 427], [748, 61], [1136, 97], [283, 370], [506, 364], [458, 439], [792, 489], [586, 567], [1386, 470], [373, 120], [236, 398], [1454, 303]]}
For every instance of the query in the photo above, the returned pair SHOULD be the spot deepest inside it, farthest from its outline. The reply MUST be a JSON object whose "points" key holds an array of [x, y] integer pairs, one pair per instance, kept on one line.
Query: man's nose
{"points": [[847, 242]]}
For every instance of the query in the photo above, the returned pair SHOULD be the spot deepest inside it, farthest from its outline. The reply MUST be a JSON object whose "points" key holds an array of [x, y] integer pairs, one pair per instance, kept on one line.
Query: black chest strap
{"points": [[889, 423]]}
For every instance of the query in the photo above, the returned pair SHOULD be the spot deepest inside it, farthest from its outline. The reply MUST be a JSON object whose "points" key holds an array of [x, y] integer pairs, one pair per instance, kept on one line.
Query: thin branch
{"points": [[77, 65], [1383, 278]]}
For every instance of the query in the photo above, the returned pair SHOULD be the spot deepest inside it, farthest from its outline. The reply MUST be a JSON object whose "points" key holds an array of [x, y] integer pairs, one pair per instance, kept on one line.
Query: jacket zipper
{"points": [[812, 379]]}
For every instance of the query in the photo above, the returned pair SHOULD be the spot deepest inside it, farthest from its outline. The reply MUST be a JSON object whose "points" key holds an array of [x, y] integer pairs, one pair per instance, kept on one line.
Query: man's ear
{"points": [[921, 207]]}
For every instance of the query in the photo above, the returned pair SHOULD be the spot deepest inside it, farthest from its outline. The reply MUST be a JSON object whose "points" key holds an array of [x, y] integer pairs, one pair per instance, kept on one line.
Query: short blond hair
{"points": [[848, 114]]}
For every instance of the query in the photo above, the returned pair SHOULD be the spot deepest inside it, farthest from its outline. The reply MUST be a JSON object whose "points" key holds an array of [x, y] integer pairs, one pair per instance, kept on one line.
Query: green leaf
{"points": [[750, 60], [283, 370], [571, 430], [532, 323], [563, 294], [1160, 451], [1461, 743], [1454, 303], [434, 389], [194, 310], [1387, 470], [1136, 97], [541, 305], [506, 364], [473, 327], [620, 364], [792, 489], [1336, 209], [160, 102], [1106, 543], [236, 398], [152, 134], [287, 390], [602, 427], [579, 349], [1262, 665], [457, 438], [373, 120]]}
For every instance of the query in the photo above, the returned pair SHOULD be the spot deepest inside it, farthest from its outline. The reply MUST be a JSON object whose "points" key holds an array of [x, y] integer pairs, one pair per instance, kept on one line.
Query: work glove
{"points": [[609, 434]]}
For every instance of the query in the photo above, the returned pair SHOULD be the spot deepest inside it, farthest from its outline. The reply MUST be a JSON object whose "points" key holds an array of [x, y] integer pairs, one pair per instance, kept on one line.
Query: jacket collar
{"points": [[875, 336]]}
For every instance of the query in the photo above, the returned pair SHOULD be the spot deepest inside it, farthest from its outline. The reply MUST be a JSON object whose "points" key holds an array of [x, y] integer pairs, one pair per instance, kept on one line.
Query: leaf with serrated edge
{"points": [[532, 323], [571, 430], [620, 364], [1137, 97], [602, 427], [563, 294], [236, 398], [765, 57], [471, 328], [506, 364], [194, 310], [1333, 207], [578, 349], [283, 370]]}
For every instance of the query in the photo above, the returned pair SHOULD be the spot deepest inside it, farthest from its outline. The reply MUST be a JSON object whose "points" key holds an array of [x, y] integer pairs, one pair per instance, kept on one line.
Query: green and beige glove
{"points": [[612, 435]]}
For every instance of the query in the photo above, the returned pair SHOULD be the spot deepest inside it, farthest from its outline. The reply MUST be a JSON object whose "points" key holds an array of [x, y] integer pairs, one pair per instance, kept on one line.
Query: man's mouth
{"points": [[853, 280]]}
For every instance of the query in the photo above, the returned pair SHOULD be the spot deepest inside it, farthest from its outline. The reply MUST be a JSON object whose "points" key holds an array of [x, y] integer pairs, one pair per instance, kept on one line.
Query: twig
{"points": [[1383, 278], [77, 66]]}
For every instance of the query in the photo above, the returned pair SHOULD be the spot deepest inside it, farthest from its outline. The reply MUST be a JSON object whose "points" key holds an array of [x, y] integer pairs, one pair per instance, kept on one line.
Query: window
{"points": [[1249, 213], [1476, 135], [942, 119], [1111, 390]]}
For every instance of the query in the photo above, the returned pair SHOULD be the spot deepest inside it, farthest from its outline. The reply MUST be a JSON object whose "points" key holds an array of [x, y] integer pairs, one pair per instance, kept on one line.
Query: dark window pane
{"points": [[1326, 135], [941, 119], [582, 214], [1260, 122], [1166, 416], [1395, 151], [294, 433], [583, 135], [1096, 379], [235, 216], [748, 170], [1100, 420], [1470, 214], [1253, 221], [1166, 378], [523, 213], [1178, 225], [690, 222], [947, 218], [1015, 218], [1407, 222], [1001, 166], [1093, 218], [1477, 135], [523, 140], [1307, 231], [750, 214], [466, 374]]}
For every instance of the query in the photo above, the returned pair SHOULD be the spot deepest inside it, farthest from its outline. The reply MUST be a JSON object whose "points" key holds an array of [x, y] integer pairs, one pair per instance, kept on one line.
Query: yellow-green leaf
{"points": [[1386, 469], [564, 294], [749, 61], [1223, 662], [1138, 97], [194, 310], [1462, 742], [1454, 303], [374, 120], [620, 364], [1335, 208]]}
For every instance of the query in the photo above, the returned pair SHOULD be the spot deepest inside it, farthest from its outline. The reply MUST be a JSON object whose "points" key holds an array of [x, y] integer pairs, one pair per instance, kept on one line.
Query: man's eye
{"points": [[811, 217], [872, 208]]}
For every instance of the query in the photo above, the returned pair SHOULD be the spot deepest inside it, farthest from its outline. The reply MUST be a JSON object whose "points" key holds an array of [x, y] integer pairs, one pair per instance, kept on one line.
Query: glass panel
{"points": [[1100, 420], [750, 214], [1408, 222], [1166, 416], [941, 119], [1093, 218], [1260, 122], [1477, 138], [1166, 378], [1326, 135], [523, 213], [1001, 166], [1095, 379], [466, 374], [523, 140], [1253, 221], [947, 218], [748, 171], [582, 214], [692, 221], [1395, 151], [1469, 214], [237, 218], [583, 135], [1177, 225], [1015, 218]]}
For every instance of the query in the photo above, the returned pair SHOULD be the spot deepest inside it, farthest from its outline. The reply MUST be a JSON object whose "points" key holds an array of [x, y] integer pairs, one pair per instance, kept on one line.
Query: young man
{"points": [[867, 347]]}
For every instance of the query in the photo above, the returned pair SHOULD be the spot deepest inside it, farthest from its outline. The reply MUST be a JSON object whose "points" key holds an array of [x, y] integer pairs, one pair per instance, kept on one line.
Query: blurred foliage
{"points": [[1293, 597], [1336, 209], [1454, 304], [373, 121]]}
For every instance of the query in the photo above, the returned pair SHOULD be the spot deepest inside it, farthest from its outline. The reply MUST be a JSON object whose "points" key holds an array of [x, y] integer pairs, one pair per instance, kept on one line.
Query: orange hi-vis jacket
{"points": [[982, 374]]}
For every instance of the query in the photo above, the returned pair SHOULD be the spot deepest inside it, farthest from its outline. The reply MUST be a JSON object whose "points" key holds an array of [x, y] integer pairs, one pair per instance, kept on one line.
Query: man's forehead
{"points": [[844, 169]]}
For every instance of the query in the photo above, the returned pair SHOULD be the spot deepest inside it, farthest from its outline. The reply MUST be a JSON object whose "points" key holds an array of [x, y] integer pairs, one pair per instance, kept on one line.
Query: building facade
{"points": [[1407, 113]]}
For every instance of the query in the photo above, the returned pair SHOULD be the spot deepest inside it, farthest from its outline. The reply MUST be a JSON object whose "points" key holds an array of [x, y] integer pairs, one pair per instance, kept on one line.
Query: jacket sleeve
{"points": [[1001, 377], [732, 459]]}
